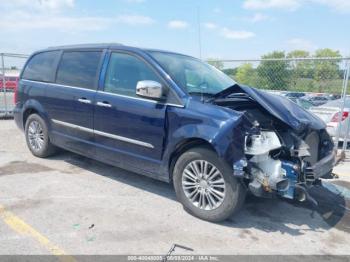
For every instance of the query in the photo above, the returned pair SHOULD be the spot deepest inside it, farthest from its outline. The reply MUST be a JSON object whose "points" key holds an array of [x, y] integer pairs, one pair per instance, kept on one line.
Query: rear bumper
{"points": [[18, 117], [322, 167], [332, 129]]}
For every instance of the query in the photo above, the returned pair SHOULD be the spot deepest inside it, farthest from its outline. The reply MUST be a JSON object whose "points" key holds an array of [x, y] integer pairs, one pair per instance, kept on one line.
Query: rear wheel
{"points": [[205, 186], [37, 137]]}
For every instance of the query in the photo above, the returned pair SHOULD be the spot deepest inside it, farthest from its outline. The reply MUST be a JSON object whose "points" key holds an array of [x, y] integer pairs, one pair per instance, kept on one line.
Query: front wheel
{"points": [[205, 186]]}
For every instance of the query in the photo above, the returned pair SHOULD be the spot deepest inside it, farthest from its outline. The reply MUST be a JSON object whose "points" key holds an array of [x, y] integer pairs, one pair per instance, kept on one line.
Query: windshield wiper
{"points": [[225, 93], [201, 93], [208, 96]]}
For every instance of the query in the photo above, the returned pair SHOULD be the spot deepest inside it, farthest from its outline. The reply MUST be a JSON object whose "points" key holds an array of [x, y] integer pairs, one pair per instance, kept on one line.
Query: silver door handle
{"points": [[84, 100], [104, 104]]}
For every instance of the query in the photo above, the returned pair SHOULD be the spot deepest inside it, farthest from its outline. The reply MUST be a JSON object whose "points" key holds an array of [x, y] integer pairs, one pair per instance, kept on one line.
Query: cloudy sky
{"points": [[229, 28]]}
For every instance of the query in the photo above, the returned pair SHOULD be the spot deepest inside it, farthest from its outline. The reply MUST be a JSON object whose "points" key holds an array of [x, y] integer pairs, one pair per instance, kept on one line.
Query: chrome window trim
{"points": [[55, 84], [103, 92], [141, 99], [112, 136]]}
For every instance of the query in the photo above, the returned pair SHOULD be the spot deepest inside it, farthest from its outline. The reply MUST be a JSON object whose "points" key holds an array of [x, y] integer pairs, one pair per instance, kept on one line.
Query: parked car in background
{"points": [[330, 113], [334, 96], [294, 95], [11, 83], [303, 103], [317, 100], [174, 118]]}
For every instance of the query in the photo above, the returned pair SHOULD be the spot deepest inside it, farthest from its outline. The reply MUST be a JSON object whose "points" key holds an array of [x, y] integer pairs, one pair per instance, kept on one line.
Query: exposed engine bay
{"points": [[280, 158]]}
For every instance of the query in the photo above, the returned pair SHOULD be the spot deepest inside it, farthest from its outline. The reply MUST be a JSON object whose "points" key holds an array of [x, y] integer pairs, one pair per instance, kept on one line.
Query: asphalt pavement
{"points": [[68, 204]]}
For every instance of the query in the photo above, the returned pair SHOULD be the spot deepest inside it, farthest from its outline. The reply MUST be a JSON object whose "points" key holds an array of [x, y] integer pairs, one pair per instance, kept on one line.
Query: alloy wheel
{"points": [[36, 135], [203, 184]]}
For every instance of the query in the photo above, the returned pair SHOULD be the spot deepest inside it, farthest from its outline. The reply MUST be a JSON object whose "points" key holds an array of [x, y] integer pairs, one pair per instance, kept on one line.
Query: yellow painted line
{"points": [[19, 226]]}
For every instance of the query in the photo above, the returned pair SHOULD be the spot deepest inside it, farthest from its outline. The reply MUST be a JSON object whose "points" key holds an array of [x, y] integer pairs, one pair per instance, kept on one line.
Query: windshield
{"points": [[193, 75]]}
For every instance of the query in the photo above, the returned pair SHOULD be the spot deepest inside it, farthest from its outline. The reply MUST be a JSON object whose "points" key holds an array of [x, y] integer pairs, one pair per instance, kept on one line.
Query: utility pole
{"points": [[199, 32]]}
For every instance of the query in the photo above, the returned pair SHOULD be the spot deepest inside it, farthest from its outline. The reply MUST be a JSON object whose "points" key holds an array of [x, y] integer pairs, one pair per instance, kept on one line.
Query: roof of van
{"points": [[104, 46], [87, 46]]}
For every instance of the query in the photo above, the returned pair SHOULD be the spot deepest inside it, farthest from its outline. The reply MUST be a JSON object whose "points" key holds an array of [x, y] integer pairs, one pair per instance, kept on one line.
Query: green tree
{"points": [[326, 71], [274, 73], [246, 74], [301, 68], [214, 62], [301, 71], [230, 71]]}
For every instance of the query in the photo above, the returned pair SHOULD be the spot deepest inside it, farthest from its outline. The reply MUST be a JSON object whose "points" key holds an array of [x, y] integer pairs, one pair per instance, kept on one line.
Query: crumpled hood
{"points": [[282, 108]]}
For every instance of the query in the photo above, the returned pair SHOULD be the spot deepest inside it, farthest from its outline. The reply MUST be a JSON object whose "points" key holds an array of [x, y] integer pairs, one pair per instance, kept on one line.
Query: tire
{"points": [[233, 191], [37, 137]]}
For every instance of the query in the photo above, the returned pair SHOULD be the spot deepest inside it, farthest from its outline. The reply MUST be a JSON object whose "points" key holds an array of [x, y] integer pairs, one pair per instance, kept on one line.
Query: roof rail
{"points": [[91, 45]]}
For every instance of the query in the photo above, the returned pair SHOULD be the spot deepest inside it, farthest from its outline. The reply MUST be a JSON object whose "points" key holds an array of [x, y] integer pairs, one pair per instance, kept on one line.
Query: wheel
{"points": [[37, 137], [206, 187]]}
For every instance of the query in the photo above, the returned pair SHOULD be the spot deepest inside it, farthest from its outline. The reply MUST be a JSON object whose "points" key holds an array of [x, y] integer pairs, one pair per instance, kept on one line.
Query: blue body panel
{"points": [[292, 177]]}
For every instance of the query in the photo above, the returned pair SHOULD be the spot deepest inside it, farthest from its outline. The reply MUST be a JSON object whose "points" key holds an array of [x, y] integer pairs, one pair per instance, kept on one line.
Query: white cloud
{"points": [[301, 44], [210, 25], [258, 17], [178, 24], [341, 6], [56, 4], [51, 14], [267, 4], [228, 33], [20, 20], [232, 34], [135, 20], [50, 5]]}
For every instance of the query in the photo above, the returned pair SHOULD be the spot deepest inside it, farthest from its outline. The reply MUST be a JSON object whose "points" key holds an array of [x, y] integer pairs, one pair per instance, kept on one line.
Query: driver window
{"points": [[123, 73]]}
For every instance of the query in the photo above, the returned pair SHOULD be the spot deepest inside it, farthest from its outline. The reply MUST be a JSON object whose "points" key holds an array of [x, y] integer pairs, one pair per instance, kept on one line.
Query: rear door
{"points": [[70, 100], [129, 130], [39, 71]]}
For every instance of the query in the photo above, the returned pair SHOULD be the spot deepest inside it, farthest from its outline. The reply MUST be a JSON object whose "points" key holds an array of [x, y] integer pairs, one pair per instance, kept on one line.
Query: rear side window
{"points": [[42, 67], [79, 69]]}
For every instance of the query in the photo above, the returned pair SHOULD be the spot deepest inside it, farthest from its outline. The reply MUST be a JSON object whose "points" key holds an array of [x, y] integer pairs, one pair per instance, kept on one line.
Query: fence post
{"points": [[346, 81], [344, 92], [4, 82]]}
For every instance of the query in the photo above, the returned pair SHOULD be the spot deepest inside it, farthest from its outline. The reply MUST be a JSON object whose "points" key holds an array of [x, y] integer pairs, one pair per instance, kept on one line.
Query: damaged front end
{"points": [[276, 167], [287, 150]]}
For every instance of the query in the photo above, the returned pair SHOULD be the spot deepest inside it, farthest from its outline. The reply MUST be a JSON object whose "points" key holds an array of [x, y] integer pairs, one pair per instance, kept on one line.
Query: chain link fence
{"points": [[309, 75], [317, 80], [323, 77], [10, 68]]}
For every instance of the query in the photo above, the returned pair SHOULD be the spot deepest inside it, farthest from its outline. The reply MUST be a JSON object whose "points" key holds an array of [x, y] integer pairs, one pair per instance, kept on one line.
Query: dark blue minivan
{"points": [[174, 118]]}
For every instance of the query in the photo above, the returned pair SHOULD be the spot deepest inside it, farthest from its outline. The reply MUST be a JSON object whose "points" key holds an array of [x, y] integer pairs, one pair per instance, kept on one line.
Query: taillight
{"points": [[335, 118]]}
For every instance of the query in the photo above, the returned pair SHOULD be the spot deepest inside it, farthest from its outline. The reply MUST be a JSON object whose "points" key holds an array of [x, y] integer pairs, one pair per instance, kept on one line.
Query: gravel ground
{"points": [[73, 205]]}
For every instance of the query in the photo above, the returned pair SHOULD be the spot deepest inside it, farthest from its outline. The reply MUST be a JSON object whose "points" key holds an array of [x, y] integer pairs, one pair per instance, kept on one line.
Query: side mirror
{"points": [[150, 89]]}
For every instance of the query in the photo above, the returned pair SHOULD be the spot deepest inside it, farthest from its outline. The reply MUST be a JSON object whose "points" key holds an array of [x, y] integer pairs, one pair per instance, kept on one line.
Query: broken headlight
{"points": [[262, 143]]}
